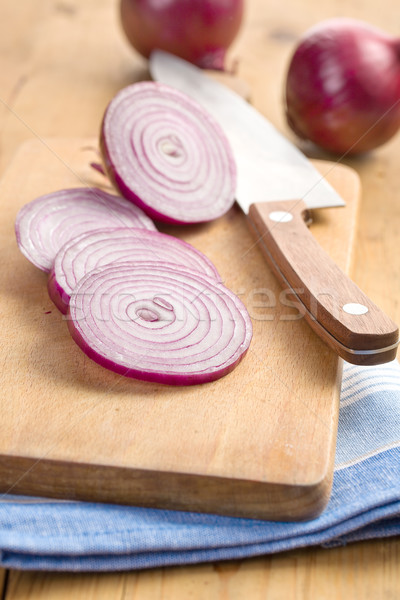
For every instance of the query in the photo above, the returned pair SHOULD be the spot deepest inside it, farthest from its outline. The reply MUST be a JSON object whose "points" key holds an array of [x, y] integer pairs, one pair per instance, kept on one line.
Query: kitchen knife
{"points": [[276, 187]]}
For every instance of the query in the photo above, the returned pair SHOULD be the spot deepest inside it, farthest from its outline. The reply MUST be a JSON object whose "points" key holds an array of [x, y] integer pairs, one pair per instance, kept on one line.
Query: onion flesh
{"points": [[199, 31], [156, 324], [343, 86], [45, 224], [166, 154], [104, 246]]}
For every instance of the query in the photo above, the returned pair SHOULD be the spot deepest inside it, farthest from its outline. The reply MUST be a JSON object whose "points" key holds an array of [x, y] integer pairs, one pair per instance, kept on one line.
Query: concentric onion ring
{"points": [[44, 225], [166, 154], [105, 246], [150, 323]]}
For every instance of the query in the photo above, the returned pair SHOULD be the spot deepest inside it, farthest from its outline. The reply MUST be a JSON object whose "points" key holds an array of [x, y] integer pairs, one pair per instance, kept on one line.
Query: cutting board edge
{"points": [[180, 491], [51, 469]]}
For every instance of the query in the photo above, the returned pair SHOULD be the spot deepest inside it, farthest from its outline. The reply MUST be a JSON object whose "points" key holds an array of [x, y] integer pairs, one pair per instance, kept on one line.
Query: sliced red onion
{"points": [[104, 246], [44, 225], [166, 154], [156, 324]]}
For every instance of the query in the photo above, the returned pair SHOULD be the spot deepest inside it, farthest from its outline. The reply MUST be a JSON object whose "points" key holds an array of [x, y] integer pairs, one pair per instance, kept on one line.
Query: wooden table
{"points": [[61, 61]]}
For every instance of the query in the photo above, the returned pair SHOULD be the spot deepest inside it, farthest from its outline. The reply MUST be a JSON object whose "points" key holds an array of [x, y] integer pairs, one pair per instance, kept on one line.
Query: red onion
{"points": [[44, 225], [156, 324], [343, 86], [104, 246], [166, 154], [199, 31]]}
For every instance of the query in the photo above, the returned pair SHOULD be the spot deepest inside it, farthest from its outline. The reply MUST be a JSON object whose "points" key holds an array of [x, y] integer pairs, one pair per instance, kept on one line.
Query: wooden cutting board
{"points": [[258, 443]]}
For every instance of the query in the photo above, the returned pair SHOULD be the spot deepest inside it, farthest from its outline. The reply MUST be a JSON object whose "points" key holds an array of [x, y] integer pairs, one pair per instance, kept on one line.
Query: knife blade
{"points": [[276, 187]]}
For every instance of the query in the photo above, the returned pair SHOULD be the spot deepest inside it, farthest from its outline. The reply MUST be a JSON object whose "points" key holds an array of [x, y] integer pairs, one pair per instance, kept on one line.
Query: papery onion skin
{"points": [[166, 154], [45, 224], [199, 31], [186, 347], [115, 245], [343, 86]]}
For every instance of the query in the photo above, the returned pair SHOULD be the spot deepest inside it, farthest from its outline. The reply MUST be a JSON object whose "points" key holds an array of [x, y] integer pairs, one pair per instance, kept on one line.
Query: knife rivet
{"points": [[280, 216], [353, 308]]}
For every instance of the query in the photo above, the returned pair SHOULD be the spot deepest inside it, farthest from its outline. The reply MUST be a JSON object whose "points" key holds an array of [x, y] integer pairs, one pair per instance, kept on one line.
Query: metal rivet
{"points": [[353, 308], [280, 216]]}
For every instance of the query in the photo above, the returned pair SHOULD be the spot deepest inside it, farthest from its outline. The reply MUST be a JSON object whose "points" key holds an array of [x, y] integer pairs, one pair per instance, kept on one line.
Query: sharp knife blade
{"points": [[269, 167], [276, 186]]}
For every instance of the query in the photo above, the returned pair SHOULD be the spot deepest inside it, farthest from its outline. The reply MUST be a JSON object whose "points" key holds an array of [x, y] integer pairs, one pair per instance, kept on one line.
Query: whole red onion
{"points": [[343, 86], [199, 31]]}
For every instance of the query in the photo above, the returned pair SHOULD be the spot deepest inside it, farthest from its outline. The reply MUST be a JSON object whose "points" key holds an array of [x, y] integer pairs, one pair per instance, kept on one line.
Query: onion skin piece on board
{"points": [[154, 324], [343, 86], [104, 246], [166, 154], [45, 224], [199, 31]]}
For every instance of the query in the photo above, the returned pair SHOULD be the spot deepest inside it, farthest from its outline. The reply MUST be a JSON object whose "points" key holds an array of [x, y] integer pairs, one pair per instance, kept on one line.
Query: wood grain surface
{"points": [[60, 63], [257, 443], [362, 571]]}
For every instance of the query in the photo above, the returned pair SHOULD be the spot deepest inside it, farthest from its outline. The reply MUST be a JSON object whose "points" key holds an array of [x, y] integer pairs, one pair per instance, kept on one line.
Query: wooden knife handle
{"points": [[333, 305]]}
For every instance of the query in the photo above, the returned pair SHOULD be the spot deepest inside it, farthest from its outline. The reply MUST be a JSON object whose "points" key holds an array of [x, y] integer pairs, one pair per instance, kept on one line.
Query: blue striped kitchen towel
{"points": [[365, 503]]}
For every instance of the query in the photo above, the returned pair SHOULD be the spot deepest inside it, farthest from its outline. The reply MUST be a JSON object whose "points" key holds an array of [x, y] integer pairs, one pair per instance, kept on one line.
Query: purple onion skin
{"points": [[200, 31], [125, 190], [56, 293], [128, 355], [343, 87], [163, 378], [45, 224], [128, 193], [60, 295], [205, 209]]}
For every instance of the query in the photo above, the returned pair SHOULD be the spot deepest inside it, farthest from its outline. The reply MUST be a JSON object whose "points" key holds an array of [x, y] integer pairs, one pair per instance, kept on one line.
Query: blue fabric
{"points": [[365, 503]]}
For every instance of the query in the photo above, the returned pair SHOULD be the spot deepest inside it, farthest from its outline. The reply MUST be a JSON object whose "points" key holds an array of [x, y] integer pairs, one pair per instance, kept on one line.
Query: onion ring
{"points": [[160, 325], [165, 153], [45, 224], [104, 246]]}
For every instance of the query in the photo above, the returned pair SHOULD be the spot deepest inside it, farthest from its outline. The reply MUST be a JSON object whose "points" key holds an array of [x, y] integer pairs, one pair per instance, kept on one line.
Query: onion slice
{"points": [[44, 225], [156, 324], [167, 154], [104, 246]]}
